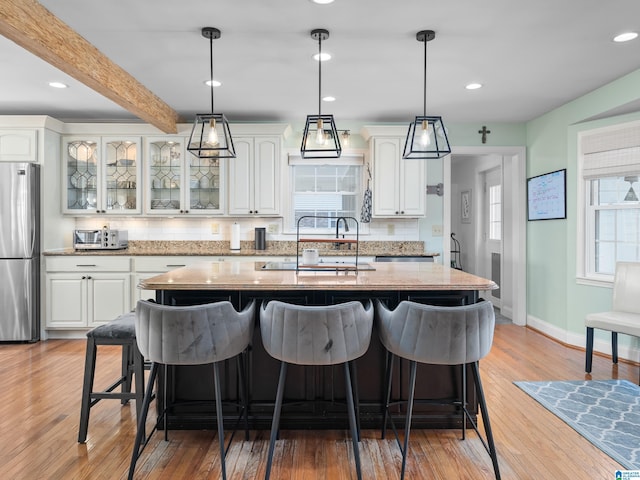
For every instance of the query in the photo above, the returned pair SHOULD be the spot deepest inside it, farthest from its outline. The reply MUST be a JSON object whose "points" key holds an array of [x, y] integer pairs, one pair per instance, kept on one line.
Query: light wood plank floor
{"points": [[40, 408]]}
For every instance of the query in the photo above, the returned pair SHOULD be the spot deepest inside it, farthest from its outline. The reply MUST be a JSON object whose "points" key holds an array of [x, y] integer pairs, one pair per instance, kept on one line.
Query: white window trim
{"points": [[583, 246]]}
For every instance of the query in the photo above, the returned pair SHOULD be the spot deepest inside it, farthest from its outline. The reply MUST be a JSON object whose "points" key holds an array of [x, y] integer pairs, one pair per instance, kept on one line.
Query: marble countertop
{"points": [[274, 248], [417, 276]]}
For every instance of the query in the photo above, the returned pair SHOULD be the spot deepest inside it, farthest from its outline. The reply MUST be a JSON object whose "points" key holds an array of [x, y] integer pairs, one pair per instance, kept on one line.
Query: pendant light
{"points": [[427, 137], [631, 194], [320, 137], [211, 137]]}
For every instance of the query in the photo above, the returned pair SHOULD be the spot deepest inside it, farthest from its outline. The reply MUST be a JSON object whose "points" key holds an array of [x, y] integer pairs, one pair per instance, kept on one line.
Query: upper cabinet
{"points": [[399, 185], [254, 176], [18, 145], [179, 182], [101, 175]]}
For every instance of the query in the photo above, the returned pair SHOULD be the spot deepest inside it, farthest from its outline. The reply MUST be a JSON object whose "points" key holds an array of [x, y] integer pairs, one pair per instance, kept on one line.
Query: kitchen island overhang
{"points": [[312, 392]]}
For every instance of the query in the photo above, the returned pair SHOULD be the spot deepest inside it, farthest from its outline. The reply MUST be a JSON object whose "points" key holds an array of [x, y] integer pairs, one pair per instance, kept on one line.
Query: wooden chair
{"points": [[625, 314]]}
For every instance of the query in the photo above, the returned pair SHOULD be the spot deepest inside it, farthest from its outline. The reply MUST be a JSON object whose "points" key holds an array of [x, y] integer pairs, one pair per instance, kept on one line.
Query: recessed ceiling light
{"points": [[328, 98], [322, 2], [473, 86], [215, 83], [323, 57], [625, 37], [58, 85]]}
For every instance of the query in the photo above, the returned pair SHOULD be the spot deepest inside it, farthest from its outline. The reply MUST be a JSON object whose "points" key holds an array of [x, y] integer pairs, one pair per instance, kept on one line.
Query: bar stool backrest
{"points": [[437, 335], [316, 335], [192, 335]]}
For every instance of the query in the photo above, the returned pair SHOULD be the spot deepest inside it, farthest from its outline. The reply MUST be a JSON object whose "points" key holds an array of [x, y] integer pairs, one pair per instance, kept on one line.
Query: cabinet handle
{"points": [[186, 211], [402, 212], [255, 211], [84, 278], [173, 266], [89, 278], [397, 212], [87, 265]]}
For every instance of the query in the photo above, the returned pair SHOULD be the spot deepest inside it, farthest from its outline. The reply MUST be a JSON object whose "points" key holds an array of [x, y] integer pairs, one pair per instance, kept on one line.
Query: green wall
{"points": [[552, 292]]}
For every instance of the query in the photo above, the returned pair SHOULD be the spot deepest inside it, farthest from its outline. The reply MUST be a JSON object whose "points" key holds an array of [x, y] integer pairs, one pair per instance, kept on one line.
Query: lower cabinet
{"points": [[84, 292]]}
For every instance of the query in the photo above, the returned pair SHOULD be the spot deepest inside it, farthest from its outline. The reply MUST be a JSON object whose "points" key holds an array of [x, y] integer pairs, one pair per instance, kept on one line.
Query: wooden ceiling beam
{"points": [[34, 28]]}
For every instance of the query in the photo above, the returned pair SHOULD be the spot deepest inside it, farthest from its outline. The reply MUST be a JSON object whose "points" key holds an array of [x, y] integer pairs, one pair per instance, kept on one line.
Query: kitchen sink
{"points": [[320, 267]]}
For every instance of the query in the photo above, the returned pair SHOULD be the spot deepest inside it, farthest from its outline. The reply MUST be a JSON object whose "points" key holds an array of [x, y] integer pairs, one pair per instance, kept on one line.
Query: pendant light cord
{"points": [[424, 108], [319, 75], [211, 69]]}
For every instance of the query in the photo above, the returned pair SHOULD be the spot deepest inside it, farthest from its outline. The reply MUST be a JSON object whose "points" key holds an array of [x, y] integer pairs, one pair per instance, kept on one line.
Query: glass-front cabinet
{"points": [[101, 175], [181, 183]]}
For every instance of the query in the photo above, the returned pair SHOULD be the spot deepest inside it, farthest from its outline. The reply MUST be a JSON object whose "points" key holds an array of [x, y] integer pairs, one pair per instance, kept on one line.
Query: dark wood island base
{"points": [[314, 396]]}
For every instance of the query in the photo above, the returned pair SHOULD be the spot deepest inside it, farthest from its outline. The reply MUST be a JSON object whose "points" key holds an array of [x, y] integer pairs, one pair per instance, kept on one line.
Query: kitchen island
{"points": [[314, 394]]}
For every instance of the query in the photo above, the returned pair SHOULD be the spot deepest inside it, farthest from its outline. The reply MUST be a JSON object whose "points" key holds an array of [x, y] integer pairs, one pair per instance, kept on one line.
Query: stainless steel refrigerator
{"points": [[19, 252]]}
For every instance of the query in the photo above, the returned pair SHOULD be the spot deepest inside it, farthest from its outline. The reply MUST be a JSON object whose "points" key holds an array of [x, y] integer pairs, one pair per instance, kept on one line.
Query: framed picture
{"points": [[465, 205]]}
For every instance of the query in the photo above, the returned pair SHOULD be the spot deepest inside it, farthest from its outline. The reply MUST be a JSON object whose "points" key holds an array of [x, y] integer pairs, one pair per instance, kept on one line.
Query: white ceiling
{"points": [[531, 57]]}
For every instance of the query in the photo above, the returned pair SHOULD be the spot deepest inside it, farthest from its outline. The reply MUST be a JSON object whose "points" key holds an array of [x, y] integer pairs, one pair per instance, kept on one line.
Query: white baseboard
{"points": [[580, 340]]}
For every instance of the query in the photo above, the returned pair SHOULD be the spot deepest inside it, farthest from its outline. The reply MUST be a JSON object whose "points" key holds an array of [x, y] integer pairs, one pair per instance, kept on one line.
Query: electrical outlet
{"points": [[215, 228], [436, 230], [272, 228], [391, 229]]}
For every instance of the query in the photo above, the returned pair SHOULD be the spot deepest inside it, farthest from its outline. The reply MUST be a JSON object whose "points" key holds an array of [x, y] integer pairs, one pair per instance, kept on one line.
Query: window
{"points": [[610, 224], [332, 190], [613, 215], [495, 212]]}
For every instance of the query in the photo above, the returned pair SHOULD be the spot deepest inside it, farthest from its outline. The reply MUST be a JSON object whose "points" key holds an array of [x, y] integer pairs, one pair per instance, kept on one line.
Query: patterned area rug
{"points": [[605, 412]]}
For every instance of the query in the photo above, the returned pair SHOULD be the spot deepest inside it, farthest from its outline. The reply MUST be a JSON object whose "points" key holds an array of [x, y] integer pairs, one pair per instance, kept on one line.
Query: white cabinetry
{"points": [[86, 291], [101, 175], [18, 145], [254, 176], [181, 183], [399, 185]]}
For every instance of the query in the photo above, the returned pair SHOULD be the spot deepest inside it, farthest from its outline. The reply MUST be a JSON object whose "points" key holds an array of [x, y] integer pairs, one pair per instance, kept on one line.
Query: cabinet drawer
{"points": [[166, 263], [83, 263]]}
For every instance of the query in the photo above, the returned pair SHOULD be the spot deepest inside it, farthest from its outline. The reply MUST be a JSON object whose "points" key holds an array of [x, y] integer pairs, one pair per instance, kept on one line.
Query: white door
{"points": [[492, 231]]}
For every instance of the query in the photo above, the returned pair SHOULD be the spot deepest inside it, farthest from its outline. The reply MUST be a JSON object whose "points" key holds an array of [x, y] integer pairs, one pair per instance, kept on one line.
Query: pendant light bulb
{"points": [[320, 132], [212, 138], [425, 137]]}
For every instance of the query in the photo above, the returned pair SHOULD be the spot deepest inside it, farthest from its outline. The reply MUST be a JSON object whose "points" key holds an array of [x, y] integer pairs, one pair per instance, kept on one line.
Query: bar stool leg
{"points": [[142, 419], [352, 420], [356, 395], [485, 419], [407, 426], [127, 362], [614, 347], [385, 417], [219, 419], [243, 393], [464, 401], [87, 388], [275, 423]]}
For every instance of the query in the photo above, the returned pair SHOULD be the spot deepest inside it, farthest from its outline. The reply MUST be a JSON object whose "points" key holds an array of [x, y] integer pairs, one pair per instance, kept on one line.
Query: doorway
{"points": [[465, 170]]}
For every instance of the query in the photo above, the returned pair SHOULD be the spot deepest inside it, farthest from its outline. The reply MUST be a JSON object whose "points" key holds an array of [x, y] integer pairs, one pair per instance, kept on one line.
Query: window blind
{"points": [[611, 152]]}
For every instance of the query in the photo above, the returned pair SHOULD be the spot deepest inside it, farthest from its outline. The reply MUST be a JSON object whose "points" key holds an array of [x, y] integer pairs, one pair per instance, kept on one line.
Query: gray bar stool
{"points": [[439, 336], [193, 335], [121, 332], [315, 335]]}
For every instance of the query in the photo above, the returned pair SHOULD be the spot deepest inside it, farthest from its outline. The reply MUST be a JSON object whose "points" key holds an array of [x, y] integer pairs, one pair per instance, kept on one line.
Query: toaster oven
{"points": [[102, 239]]}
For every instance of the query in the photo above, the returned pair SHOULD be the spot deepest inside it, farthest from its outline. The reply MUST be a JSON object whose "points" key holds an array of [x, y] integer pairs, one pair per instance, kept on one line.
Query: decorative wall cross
{"points": [[484, 133]]}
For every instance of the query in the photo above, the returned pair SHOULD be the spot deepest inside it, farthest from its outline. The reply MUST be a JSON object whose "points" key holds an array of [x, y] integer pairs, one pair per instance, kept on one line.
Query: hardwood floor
{"points": [[40, 409]]}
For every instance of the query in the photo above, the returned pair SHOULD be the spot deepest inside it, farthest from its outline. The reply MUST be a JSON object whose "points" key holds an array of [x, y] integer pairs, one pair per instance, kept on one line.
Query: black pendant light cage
{"points": [[211, 136], [320, 138], [427, 136]]}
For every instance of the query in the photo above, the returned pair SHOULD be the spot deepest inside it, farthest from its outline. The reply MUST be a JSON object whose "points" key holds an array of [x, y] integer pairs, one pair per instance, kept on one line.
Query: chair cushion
{"points": [[622, 322], [437, 335], [123, 327], [316, 335], [192, 335]]}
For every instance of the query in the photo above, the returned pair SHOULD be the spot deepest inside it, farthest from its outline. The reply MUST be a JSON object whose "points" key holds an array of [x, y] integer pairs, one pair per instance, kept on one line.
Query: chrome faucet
{"points": [[346, 229]]}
